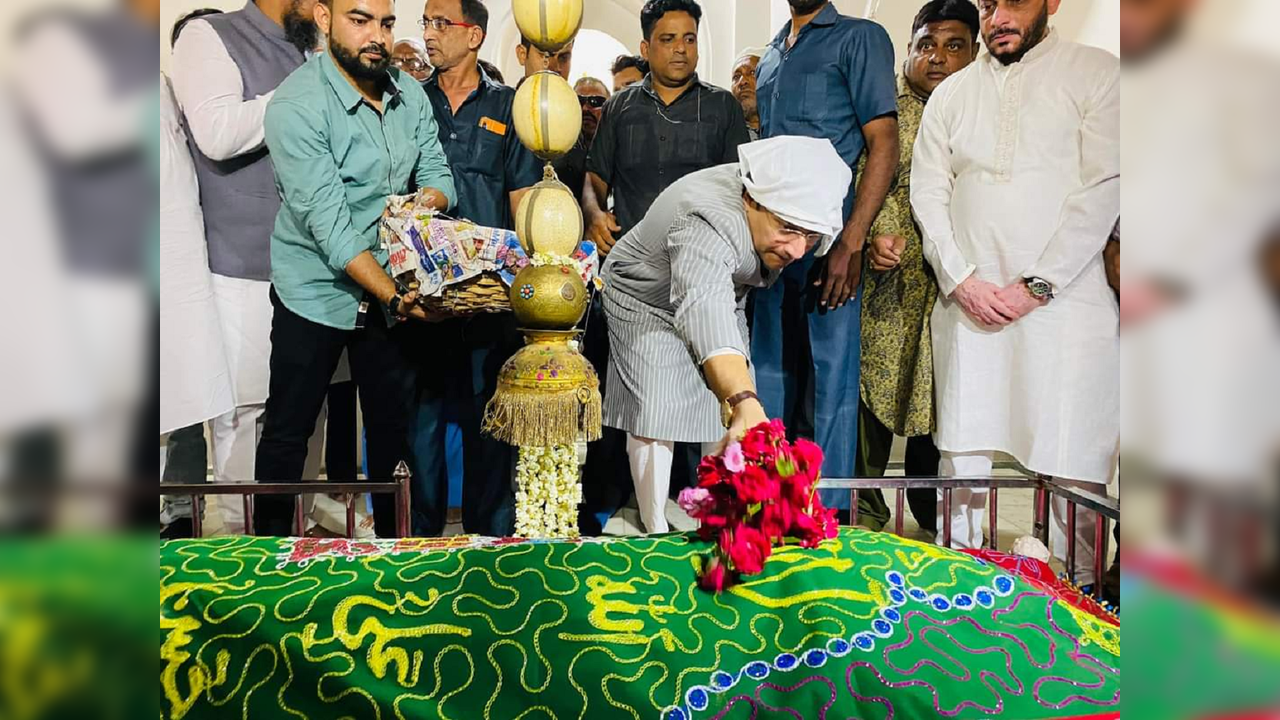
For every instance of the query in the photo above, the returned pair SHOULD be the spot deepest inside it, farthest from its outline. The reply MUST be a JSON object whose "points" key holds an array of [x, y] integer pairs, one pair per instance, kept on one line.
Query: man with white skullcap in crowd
{"points": [[743, 86], [675, 297]]}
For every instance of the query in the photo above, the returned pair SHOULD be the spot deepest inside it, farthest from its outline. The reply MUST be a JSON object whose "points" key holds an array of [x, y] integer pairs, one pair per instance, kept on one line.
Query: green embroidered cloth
{"points": [[868, 625]]}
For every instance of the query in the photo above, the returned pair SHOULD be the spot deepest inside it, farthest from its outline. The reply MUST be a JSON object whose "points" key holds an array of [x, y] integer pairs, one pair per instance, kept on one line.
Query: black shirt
{"points": [[643, 146], [487, 158], [571, 168]]}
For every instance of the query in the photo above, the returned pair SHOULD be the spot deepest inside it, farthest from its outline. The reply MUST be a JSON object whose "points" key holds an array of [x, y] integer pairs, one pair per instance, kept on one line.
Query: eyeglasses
{"points": [[440, 24], [594, 101], [810, 237], [410, 64]]}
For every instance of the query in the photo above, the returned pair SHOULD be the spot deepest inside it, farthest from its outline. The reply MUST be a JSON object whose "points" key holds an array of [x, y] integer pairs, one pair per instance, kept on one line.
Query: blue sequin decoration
{"points": [[815, 658], [758, 670], [891, 614], [963, 601], [838, 647], [940, 603], [785, 661], [894, 577], [897, 596], [882, 626], [697, 698], [984, 597], [676, 714], [918, 594], [864, 641], [722, 680], [1004, 584]]}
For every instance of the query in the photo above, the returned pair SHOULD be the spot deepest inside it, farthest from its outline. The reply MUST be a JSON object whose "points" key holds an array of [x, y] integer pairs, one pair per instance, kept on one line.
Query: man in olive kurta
{"points": [[900, 290]]}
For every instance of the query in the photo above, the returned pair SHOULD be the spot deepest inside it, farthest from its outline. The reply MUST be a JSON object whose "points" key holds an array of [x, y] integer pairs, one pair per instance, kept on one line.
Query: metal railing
{"points": [[1107, 508], [399, 487]]}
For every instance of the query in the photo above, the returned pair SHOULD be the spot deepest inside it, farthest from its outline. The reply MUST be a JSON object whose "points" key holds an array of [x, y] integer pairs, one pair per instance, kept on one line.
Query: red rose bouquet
{"points": [[759, 492]]}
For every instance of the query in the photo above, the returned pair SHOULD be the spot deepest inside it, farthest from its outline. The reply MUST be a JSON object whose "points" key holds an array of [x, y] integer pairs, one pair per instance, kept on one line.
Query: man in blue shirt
{"points": [[460, 359], [344, 132], [828, 76]]}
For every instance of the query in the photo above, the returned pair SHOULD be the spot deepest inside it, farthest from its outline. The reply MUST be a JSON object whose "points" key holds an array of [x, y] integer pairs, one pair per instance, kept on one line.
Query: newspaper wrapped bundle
{"points": [[457, 267]]}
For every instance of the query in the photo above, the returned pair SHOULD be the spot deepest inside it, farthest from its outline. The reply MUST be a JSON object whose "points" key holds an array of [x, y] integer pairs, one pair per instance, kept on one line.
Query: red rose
{"points": [[796, 490], [776, 519], [715, 576], [808, 458], [711, 471], [754, 485], [747, 549]]}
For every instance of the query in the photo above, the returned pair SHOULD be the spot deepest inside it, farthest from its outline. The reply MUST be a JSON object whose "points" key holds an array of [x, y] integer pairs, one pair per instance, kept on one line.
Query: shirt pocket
{"points": [[487, 153], [815, 91], [692, 145]]}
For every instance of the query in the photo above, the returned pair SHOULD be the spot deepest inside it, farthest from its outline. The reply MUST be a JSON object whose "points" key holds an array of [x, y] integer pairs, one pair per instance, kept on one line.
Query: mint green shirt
{"points": [[336, 160]]}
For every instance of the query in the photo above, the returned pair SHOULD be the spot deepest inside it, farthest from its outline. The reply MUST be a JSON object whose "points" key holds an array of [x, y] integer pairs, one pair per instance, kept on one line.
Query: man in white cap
{"points": [[675, 297], [743, 86]]}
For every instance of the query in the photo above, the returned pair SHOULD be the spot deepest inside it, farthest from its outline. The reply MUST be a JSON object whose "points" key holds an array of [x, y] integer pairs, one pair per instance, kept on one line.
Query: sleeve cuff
{"points": [[948, 282]]}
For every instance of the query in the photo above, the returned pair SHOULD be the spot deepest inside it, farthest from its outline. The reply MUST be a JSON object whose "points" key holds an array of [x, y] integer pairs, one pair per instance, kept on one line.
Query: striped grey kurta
{"points": [[675, 293]]}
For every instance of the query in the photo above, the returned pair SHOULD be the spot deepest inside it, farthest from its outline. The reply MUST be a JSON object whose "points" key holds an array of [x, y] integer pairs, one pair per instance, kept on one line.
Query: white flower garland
{"points": [[549, 492]]}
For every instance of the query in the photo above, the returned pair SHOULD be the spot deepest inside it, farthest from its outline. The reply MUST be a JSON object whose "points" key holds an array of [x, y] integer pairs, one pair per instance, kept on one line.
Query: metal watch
{"points": [[1040, 289]]}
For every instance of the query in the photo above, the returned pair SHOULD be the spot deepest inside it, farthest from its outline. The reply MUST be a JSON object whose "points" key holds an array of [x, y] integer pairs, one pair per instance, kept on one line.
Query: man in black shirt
{"points": [[650, 135], [657, 131], [460, 359], [572, 168]]}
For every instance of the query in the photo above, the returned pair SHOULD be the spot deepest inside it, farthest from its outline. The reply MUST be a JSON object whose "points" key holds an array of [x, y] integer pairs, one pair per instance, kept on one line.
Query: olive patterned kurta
{"points": [[897, 355]]}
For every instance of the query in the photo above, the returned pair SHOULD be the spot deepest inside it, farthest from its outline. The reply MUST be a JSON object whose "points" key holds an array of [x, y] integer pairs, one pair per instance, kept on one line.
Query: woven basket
{"points": [[485, 293]]}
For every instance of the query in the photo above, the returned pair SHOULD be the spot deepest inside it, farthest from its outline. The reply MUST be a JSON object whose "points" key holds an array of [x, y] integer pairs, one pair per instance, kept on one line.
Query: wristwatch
{"points": [[1040, 289], [726, 407], [394, 304]]}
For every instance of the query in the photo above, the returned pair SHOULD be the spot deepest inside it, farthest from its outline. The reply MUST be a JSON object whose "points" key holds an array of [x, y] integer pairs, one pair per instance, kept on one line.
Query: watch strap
{"points": [[735, 400]]}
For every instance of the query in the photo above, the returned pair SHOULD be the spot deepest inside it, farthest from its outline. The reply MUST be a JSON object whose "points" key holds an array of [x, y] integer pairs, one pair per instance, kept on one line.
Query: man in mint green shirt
{"points": [[345, 131]]}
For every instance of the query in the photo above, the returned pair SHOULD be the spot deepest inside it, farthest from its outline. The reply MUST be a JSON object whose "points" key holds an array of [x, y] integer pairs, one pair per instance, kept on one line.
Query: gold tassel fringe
{"points": [[537, 418]]}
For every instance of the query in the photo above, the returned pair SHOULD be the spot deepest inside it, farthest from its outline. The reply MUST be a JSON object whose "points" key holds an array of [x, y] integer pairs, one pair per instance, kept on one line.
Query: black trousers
{"points": [[875, 440], [458, 363], [304, 356]]}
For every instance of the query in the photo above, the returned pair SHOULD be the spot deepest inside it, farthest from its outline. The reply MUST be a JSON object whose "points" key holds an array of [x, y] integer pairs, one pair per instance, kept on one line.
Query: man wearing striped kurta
{"points": [[675, 297]]}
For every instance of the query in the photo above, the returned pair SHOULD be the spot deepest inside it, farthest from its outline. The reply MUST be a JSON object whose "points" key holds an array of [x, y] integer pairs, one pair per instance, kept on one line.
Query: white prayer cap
{"points": [[416, 43], [802, 180], [751, 52]]}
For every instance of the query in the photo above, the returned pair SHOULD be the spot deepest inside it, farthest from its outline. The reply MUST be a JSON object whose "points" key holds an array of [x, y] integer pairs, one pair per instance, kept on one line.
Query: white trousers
{"points": [[969, 506], [651, 473], [235, 447]]}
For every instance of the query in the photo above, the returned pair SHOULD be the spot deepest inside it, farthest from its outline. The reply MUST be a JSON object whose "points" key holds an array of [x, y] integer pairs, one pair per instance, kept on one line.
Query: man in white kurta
{"points": [[1016, 186]]}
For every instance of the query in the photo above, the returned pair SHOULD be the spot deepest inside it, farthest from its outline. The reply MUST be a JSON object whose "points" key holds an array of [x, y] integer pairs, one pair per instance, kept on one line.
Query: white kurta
{"points": [[1016, 173], [195, 377]]}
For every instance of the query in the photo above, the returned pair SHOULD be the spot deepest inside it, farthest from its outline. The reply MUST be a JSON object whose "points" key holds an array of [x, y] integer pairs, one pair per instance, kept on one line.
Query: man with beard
{"points": [[669, 125], [744, 88], [1016, 187], [572, 167], [225, 71], [461, 358], [900, 290], [410, 56], [345, 131], [830, 76]]}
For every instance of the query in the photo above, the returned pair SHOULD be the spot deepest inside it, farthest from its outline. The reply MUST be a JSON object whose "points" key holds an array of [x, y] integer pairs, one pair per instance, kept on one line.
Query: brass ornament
{"points": [[548, 394], [548, 297]]}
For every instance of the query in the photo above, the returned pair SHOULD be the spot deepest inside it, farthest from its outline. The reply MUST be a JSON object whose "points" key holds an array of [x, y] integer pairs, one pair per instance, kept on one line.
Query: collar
{"points": [[905, 90], [647, 85], [263, 23], [433, 80], [826, 17], [347, 93]]}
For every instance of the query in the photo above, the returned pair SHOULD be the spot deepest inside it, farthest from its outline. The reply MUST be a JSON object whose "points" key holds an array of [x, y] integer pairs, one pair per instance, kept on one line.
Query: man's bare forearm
{"points": [[366, 271], [873, 187], [595, 194], [727, 375]]}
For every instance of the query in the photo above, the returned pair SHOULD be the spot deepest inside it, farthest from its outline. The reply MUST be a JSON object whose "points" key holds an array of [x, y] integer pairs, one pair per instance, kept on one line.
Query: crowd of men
{"points": [[961, 303]]}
